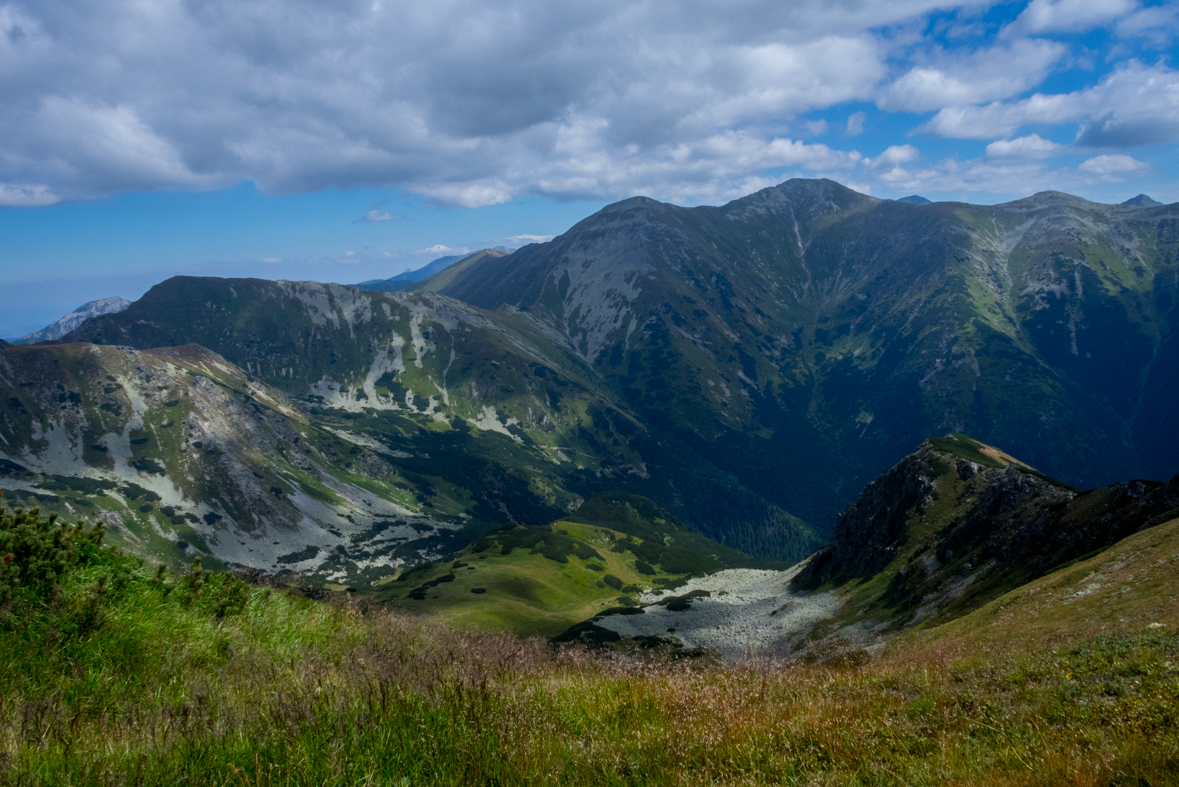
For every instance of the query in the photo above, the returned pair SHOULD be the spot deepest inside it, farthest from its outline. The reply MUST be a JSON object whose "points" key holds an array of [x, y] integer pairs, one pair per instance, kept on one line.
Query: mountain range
{"points": [[749, 368], [803, 337]]}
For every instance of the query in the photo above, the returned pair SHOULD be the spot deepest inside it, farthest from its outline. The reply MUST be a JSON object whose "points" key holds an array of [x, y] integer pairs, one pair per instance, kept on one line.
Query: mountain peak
{"points": [[69, 322], [916, 199], [1142, 201], [815, 187], [959, 522]]}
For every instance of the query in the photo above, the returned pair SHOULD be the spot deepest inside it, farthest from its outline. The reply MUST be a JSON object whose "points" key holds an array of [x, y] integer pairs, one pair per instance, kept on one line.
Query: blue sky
{"points": [[352, 139]]}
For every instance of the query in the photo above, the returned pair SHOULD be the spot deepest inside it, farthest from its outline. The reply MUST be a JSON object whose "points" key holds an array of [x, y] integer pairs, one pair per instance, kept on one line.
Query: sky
{"points": [[344, 140]]}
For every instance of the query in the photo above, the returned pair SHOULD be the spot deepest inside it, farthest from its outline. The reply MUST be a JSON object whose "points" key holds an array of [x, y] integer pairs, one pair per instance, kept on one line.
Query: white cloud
{"points": [[1156, 23], [1032, 146], [1054, 16], [1134, 105], [438, 249], [467, 102], [474, 102], [1113, 167], [26, 195], [892, 156], [985, 75], [519, 240], [855, 123], [475, 194]]}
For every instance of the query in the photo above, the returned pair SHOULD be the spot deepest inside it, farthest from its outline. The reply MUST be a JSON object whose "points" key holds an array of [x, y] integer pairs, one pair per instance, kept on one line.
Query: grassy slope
{"points": [[146, 679], [437, 281], [527, 592], [1131, 585]]}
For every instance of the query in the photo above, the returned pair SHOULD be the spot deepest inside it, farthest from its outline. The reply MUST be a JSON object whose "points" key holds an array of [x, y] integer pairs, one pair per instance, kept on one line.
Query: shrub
{"points": [[613, 581]]}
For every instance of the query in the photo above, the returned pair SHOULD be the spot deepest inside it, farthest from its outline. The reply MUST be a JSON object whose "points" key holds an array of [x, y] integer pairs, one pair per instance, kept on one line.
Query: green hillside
{"points": [[542, 580], [437, 281], [182, 455]]}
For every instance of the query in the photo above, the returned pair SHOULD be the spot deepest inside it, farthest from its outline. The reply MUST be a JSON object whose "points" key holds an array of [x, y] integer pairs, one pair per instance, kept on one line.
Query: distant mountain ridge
{"points": [[69, 322], [407, 280], [781, 338]]}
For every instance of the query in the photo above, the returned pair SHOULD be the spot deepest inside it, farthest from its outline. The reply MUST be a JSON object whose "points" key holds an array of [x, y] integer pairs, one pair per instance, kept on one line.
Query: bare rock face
{"points": [[182, 454]]}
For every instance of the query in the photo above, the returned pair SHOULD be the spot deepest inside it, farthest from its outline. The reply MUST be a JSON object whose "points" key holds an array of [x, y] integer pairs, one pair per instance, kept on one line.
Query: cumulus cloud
{"points": [[375, 214], [1113, 167], [893, 156], [1032, 146], [475, 102], [467, 102], [1157, 24], [1009, 177], [1059, 16], [1134, 105], [952, 79]]}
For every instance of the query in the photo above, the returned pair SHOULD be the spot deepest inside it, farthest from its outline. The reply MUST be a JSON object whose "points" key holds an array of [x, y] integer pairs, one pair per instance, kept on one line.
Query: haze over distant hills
{"points": [[407, 280], [747, 367], [75, 318]]}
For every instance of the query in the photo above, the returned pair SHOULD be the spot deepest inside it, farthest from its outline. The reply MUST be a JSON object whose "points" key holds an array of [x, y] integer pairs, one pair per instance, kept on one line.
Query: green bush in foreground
{"points": [[171, 684]]}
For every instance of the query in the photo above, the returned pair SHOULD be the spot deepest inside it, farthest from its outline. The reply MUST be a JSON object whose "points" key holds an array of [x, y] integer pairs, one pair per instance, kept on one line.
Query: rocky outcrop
{"points": [[957, 523], [870, 529]]}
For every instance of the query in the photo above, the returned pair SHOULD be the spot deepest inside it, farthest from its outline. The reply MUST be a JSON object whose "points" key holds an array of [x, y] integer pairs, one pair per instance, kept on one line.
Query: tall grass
{"points": [[172, 685]]}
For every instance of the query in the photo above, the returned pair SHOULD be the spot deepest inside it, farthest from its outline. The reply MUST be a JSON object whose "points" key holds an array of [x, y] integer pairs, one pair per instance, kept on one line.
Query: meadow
{"points": [[117, 672]]}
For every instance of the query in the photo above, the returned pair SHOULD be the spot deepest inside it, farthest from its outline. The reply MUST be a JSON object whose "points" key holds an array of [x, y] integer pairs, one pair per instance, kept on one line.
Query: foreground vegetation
{"points": [[114, 672]]}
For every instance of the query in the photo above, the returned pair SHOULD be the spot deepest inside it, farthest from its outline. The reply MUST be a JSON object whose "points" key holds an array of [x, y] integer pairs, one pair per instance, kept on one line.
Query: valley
{"points": [[678, 468]]}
